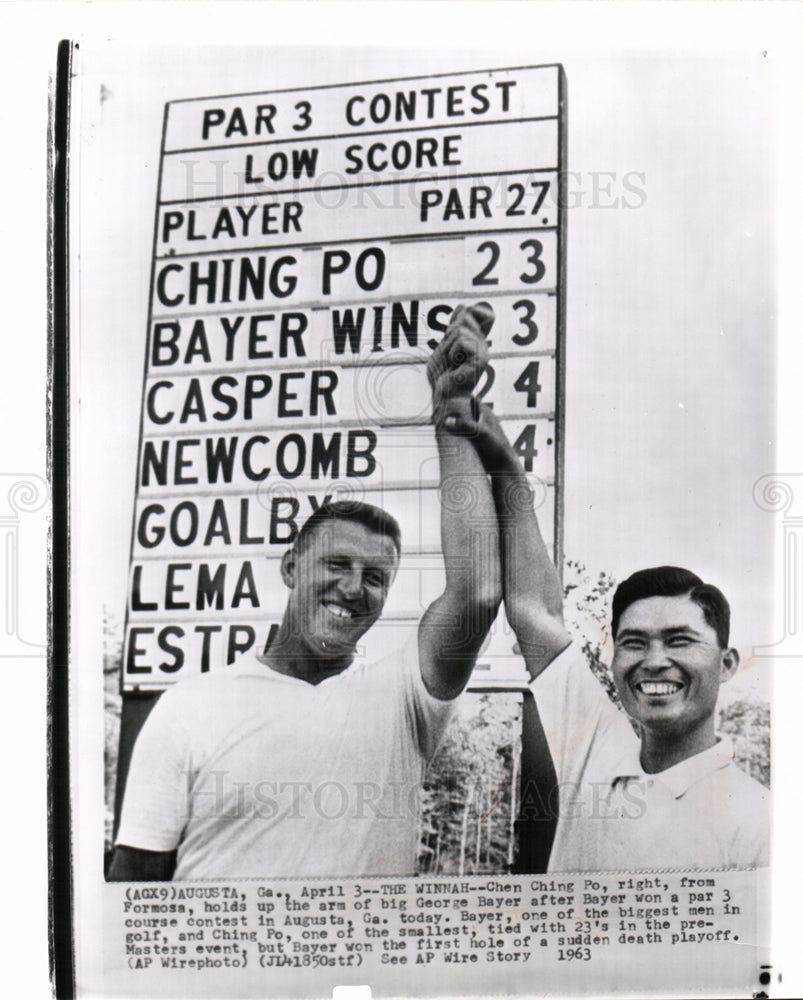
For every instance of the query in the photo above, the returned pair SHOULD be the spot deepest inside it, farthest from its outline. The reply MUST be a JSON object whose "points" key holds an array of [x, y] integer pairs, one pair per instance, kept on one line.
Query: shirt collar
{"points": [[680, 777], [251, 666]]}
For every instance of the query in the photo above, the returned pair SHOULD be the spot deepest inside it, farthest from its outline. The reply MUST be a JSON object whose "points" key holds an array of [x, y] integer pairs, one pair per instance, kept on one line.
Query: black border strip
{"points": [[560, 323], [62, 957]]}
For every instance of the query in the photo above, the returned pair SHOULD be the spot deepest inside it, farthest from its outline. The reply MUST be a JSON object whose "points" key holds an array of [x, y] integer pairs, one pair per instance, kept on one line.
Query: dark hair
{"points": [[672, 581], [373, 518]]}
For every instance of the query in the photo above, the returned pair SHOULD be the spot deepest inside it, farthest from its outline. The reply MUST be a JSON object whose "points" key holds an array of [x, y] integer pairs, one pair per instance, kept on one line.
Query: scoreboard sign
{"points": [[309, 248]]}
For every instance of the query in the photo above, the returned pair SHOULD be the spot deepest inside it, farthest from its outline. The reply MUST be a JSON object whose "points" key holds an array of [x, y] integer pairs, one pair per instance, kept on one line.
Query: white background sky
{"points": [[672, 308]]}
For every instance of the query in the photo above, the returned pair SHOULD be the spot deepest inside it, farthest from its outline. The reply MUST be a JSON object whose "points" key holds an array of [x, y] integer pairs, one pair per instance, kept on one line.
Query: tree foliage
{"points": [[113, 704], [748, 725], [587, 612], [469, 798]]}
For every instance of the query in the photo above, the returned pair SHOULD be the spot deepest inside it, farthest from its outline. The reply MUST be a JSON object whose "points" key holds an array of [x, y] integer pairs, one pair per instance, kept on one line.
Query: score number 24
{"points": [[526, 382]]}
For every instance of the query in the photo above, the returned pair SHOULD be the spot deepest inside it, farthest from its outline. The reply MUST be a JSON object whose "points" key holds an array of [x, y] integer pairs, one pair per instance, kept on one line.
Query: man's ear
{"points": [[289, 568], [729, 664]]}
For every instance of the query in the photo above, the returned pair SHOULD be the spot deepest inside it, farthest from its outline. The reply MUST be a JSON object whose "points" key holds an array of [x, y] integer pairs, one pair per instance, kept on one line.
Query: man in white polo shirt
{"points": [[672, 798], [298, 763]]}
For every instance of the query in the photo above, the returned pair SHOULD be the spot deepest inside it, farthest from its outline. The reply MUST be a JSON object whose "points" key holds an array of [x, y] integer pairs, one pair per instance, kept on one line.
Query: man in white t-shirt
{"points": [[298, 763], [672, 798]]}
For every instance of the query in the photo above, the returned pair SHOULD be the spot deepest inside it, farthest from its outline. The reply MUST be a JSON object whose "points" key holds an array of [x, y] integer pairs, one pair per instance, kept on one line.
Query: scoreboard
{"points": [[309, 248]]}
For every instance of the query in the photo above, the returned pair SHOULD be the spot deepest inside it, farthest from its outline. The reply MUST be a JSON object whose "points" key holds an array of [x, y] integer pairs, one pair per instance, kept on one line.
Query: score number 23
{"points": [[535, 267]]}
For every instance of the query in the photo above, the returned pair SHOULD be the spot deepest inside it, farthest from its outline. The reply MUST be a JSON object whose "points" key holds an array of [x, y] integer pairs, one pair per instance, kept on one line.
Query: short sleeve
{"points": [[156, 803], [429, 716]]}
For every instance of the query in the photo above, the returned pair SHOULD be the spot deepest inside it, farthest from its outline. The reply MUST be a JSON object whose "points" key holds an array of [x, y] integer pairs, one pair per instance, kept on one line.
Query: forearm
{"points": [[455, 625], [530, 578], [469, 536], [531, 586]]}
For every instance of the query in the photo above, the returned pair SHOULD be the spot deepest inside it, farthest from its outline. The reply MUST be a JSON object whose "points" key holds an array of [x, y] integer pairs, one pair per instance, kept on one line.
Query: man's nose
{"points": [[350, 583], [655, 656]]}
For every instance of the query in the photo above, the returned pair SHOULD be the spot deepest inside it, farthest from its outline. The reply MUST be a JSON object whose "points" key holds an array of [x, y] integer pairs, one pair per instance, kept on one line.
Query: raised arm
{"points": [[456, 624], [532, 590]]}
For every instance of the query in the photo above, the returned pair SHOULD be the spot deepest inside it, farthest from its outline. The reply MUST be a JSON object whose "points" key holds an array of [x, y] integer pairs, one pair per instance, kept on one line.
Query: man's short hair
{"points": [[373, 518], [673, 581]]}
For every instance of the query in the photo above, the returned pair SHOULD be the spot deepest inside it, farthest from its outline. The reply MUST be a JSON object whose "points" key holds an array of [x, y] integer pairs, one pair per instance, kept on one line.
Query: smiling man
{"points": [[338, 573], [301, 762], [673, 798], [671, 654]]}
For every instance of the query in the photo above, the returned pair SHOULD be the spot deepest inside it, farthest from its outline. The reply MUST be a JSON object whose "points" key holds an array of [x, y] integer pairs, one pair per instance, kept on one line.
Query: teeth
{"points": [[659, 687], [338, 611]]}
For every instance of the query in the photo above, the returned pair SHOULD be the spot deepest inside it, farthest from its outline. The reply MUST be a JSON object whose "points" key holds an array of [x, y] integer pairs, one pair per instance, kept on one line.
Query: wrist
{"points": [[444, 391], [456, 404]]}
